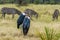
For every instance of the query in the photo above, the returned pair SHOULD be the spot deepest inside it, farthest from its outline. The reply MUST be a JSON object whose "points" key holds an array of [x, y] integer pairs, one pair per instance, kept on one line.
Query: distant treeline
{"points": [[31, 1]]}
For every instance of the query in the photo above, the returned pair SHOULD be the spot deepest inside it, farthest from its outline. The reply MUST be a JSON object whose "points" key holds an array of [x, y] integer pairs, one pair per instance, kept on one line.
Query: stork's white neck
{"points": [[23, 13], [28, 17]]}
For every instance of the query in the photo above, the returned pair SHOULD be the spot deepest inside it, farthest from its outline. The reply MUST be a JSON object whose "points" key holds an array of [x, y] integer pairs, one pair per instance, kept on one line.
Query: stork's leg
{"points": [[18, 26], [25, 31]]}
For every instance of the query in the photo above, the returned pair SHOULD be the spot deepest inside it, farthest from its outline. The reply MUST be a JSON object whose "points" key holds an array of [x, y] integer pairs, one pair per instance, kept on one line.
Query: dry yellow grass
{"points": [[8, 27]]}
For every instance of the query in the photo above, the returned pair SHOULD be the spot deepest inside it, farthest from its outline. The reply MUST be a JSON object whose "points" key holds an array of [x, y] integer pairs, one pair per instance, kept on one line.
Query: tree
{"points": [[57, 1]]}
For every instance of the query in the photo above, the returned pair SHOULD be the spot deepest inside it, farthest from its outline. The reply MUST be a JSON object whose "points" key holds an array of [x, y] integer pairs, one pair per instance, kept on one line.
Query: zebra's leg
{"points": [[12, 16], [37, 16], [53, 19], [56, 17], [3, 15], [53, 16]]}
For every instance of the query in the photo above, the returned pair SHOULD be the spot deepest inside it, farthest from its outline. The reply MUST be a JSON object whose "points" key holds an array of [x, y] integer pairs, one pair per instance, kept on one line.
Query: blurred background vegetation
{"points": [[31, 1]]}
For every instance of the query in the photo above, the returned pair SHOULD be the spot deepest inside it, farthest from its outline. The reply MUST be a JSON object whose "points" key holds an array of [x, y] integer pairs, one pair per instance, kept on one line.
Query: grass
{"points": [[42, 28], [49, 34]]}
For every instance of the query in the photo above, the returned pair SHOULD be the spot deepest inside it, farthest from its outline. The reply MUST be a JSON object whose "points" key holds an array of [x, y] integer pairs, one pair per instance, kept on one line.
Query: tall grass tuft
{"points": [[41, 35], [49, 33]]}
